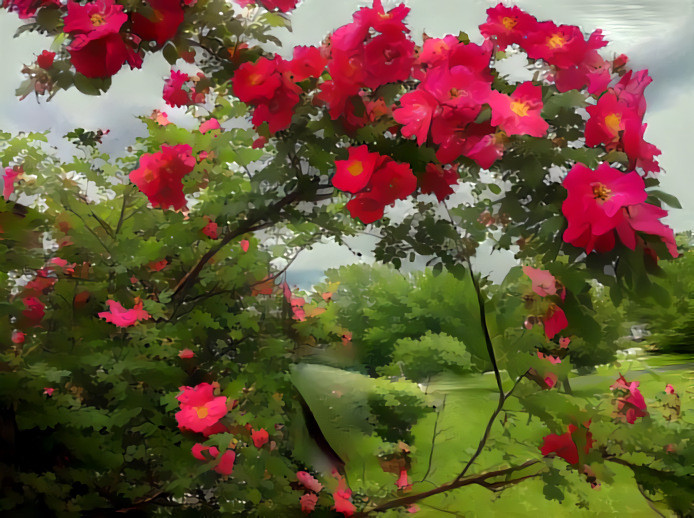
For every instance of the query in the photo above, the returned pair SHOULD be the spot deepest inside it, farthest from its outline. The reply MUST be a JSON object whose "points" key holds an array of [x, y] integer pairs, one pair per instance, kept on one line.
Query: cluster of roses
{"points": [[99, 46], [160, 175], [355, 58], [454, 83], [372, 51], [200, 412], [9, 178], [180, 89], [376, 179], [453, 86], [32, 292], [616, 120], [272, 86], [454, 78], [575, 62], [605, 202], [545, 310], [629, 406]]}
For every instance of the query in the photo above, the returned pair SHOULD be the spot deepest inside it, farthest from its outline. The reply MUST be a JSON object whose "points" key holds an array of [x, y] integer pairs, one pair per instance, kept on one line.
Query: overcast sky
{"points": [[655, 34]]}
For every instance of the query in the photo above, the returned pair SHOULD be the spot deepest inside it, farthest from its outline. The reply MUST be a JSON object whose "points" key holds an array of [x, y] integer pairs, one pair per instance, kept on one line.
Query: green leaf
{"points": [[494, 188], [170, 53], [86, 85], [666, 198], [276, 20], [558, 101], [48, 18]]}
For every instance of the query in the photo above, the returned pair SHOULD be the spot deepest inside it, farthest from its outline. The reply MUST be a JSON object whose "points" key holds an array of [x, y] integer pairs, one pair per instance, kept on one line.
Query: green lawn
{"points": [[467, 407]]}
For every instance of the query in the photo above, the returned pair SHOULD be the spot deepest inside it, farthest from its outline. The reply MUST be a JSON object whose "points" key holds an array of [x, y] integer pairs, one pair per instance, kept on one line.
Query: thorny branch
{"points": [[480, 479]]}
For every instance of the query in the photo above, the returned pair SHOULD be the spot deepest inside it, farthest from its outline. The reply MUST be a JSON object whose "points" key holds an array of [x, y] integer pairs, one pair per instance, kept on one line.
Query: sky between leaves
{"points": [[655, 34]]}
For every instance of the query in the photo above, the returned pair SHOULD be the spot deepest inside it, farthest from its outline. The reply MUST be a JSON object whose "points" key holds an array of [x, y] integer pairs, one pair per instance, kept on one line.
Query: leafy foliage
{"points": [[671, 325], [389, 314], [432, 388]]}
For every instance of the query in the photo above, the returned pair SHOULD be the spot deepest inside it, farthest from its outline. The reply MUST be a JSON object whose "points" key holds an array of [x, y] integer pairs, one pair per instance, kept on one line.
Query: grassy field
{"points": [[468, 405]]}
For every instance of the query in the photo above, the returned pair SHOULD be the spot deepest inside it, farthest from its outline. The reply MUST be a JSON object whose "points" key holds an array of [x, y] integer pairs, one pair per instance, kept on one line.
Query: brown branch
{"points": [[492, 357], [503, 484], [633, 467], [485, 329], [249, 225], [499, 407], [497, 374], [453, 513], [649, 501], [479, 479]]}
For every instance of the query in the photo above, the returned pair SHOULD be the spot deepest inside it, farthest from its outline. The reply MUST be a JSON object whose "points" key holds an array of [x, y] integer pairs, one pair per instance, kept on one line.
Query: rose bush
{"points": [[210, 386]]}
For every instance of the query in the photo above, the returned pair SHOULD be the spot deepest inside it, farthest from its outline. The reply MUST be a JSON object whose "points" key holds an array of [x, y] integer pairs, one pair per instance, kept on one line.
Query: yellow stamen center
{"points": [[201, 411], [555, 41], [520, 108], [97, 20], [355, 168], [613, 122], [149, 175], [509, 22], [601, 192]]}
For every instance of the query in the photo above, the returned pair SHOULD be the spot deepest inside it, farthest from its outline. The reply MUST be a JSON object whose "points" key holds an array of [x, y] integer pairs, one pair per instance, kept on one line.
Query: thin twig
{"points": [[487, 337], [250, 225], [92, 232], [433, 438], [492, 357], [488, 428], [497, 376], [107, 228], [443, 510], [126, 194], [649, 501]]}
